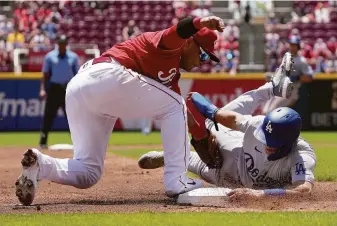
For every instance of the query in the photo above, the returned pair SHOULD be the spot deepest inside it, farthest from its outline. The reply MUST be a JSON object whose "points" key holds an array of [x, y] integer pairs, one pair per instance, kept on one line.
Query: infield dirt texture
{"points": [[125, 187]]}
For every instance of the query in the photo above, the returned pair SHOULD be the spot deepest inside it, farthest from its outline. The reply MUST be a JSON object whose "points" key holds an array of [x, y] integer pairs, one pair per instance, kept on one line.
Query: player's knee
{"points": [[89, 180]]}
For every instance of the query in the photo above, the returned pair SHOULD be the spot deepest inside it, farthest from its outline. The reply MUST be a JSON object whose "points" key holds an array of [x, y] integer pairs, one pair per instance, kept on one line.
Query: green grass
{"points": [[136, 153], [131, 153], [320, 137], [326, 166], [324, 143], [117, 138], [159, 219], [128, 138]]}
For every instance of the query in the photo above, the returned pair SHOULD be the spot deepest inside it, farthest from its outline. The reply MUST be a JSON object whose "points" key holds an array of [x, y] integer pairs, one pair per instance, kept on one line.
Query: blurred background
{"points": [[256, 36]]}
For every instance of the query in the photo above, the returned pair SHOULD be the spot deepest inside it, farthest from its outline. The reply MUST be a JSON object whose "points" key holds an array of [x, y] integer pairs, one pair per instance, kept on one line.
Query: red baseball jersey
{"points": [[143, 55]]}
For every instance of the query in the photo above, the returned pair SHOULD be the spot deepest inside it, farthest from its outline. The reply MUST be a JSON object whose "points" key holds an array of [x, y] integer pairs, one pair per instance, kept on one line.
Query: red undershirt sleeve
{"points": [[196, 125]]}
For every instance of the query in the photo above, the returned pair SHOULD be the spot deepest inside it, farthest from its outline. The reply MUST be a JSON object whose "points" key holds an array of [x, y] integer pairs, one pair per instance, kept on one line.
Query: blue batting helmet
{"points": [[294, 39], [280, 129]]}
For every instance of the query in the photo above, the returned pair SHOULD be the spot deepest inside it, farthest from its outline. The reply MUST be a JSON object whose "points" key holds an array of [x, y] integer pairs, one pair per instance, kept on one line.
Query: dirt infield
{"points": [[125, 187]]}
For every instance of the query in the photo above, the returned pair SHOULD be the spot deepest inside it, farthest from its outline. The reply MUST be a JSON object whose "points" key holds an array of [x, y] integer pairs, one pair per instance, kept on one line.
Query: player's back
{"points": [[143, 55]]}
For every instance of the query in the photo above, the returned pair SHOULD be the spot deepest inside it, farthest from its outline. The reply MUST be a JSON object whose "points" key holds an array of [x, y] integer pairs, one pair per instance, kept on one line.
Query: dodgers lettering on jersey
{"points": [[256, 171], [143, 55]]}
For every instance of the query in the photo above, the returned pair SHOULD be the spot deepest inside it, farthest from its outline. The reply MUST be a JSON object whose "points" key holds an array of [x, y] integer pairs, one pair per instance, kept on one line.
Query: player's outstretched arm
{"points": [[229, 119], [298, 189]]}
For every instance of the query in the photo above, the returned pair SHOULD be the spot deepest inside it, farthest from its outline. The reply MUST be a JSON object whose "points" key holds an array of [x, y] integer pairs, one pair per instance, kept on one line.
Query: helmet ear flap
{"points": [[281, 152]]}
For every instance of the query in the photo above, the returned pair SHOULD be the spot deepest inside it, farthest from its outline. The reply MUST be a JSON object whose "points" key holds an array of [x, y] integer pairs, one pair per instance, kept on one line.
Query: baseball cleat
{"points": [[189, 185], [26, 184], [151, 160], [282, 86]]}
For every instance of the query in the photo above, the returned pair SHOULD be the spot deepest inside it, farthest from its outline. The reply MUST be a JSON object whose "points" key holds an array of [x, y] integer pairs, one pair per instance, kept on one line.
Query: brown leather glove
{"points": [[208, 151]]}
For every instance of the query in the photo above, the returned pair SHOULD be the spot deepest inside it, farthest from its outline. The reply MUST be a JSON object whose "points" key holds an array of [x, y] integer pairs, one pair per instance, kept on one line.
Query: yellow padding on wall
{"points": [[201, 76]]}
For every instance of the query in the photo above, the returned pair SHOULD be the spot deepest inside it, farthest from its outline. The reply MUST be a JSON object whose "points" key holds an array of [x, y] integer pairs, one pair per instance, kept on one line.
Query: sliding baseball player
{"points": [[261, 155]]}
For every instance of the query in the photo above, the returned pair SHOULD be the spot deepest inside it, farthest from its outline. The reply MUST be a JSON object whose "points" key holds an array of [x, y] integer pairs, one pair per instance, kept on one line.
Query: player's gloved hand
{"points": [[204, 106], [208, 151], [213, 22], [244, 193]]}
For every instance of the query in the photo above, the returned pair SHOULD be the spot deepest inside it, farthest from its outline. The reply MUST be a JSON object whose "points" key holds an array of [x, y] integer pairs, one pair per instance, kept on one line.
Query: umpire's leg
{"points": [[55, 99]]}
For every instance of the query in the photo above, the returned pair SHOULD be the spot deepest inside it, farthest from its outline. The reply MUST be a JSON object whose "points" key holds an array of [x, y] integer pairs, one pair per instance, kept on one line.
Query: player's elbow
{"points": [[228, 119], [306, 190]]}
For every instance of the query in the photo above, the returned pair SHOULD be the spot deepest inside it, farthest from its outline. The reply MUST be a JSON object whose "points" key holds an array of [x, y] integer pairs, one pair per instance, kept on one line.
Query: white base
{"points": [[205, 197], [59, 147]]}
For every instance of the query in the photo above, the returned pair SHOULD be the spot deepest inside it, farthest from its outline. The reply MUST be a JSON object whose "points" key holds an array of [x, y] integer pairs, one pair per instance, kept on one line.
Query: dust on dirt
{"points": [[125, 187]]}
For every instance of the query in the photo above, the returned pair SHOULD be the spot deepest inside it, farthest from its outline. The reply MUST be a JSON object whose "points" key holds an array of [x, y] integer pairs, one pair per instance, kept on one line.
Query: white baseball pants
{"points": [[95, 98]]}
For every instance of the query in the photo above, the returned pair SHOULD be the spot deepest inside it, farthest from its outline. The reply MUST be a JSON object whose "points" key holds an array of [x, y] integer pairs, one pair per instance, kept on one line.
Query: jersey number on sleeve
{"points": [[300, 169]]}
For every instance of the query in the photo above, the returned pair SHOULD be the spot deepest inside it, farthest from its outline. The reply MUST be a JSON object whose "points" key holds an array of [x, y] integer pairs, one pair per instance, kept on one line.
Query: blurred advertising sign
{"points": [[323, 105], [21, 108]]}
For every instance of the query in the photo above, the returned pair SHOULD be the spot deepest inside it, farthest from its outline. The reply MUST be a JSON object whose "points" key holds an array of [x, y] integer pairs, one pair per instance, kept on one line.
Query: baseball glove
{"points": [[208, 151]]}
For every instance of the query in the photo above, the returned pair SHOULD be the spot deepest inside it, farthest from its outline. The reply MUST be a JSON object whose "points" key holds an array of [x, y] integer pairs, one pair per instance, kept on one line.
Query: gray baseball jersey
{"points": [[256, 171], [245, 161], [301, 67], [244, 158]]}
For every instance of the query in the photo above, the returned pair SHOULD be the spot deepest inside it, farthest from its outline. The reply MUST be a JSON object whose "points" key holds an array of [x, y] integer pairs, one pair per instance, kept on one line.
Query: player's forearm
{"points": [[229, 119], [175, 36], [44, 80], [302, 189]]}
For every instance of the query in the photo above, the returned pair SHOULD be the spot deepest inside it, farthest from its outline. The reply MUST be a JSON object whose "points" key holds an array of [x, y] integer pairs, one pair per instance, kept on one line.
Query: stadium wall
{"points": [[21, 109]]}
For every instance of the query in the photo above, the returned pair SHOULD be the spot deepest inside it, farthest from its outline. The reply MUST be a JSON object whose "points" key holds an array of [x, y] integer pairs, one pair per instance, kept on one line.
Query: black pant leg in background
{"points": [[55, 99]]}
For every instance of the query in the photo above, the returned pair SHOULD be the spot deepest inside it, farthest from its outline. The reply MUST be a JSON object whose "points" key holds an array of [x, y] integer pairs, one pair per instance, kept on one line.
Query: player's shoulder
{"points": [[72, 54], [303, 144], [250, 123], [51, 55], [153, 38], [303, 60], [256, 121], [303, 148]]}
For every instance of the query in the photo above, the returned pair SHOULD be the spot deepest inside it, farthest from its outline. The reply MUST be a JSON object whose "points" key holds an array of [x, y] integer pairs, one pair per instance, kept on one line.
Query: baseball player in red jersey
{"points": [[134, 79]]}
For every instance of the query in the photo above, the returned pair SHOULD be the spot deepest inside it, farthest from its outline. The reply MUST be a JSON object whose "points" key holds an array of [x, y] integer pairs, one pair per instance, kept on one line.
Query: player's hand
{"points": [[189, 96], [213, 22], [43, 94], [244, 193], [212, 144]]}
